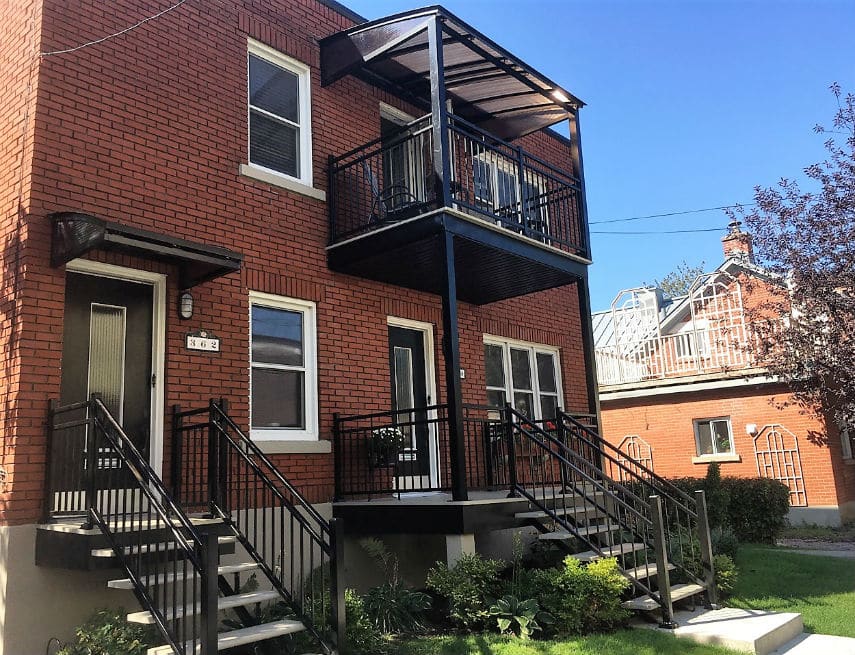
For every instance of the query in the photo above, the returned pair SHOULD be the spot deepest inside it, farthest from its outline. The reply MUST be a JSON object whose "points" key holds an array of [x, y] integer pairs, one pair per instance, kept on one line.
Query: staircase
{"points": [[595, 501], [231, 556]]}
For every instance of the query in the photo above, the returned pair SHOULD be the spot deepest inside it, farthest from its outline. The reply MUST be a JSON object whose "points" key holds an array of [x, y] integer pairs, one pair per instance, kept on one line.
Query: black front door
{"points": [[409, 398], [107, 350]]}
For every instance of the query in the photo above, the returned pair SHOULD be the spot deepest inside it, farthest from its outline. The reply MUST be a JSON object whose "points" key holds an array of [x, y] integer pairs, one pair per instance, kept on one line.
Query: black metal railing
{"points": [[298, 551], [561, 472], [392, 179], [170, 562], [364, 468]]}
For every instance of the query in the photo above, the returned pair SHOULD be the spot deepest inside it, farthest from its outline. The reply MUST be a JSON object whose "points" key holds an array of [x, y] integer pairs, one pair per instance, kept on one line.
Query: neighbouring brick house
{"points": [[680, 386]]}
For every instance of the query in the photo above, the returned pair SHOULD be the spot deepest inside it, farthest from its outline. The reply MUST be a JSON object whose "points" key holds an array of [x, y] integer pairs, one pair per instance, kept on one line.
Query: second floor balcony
{"points": [[517, 220]]}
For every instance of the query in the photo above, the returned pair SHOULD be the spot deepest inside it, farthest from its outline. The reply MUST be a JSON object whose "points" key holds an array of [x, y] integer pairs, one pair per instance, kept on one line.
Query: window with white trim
{"points": [[280, 130], [713, 436], [496, 189], [526, 375], [283, 379]]}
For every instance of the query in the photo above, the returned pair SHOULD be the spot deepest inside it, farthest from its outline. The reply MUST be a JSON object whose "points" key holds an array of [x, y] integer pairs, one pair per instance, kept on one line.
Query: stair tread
{"points": [[586, 531], [561, 511], [223, 603], [157, 524], [678, 592], [242, 636], [125, 583], [146, 548], [610, 551], [641, 572]]}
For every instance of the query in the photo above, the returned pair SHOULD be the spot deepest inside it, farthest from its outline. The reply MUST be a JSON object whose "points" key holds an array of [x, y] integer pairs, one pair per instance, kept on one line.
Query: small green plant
{"points": [[724, 541], [584, 599], [726, 574], [392, 606], [385, 445], [520, 617], [470, 587], [107, 632], [363, 637]]}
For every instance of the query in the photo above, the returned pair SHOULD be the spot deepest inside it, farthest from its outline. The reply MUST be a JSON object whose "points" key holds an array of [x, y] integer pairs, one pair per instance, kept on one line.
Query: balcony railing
{"points": [[391, 179]]}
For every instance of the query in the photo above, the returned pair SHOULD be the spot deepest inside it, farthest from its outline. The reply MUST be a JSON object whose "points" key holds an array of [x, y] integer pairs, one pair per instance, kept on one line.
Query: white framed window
{"points": [[526, 375], [279, 113], [283, 368], [714, 436], [496, 189]]}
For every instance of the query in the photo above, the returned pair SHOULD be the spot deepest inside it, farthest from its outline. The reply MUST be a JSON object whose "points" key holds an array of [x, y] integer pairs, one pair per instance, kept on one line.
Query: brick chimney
{"points": [[738, 243]]}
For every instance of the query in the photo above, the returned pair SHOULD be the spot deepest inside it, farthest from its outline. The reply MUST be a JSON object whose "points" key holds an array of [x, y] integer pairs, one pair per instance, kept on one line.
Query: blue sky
{"points": [[690, 104]]}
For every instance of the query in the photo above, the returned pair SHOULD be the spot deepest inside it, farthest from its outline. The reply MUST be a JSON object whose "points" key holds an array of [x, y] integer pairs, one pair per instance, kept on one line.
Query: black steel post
{"points": [[706, 550], [177, 452], [521, 190], [331, 199], [451, 355], [223, 459], [339, 620], [209, 556], [337, 459], [213, 461], [91, 463], [47, 496], [661, 553], [576, 153], [439, 111], [588, 351], [508, 423]]}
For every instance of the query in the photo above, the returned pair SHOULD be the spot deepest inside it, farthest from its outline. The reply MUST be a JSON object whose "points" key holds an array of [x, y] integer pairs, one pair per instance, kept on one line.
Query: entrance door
{"points": [[408, 378], [107, 350]]}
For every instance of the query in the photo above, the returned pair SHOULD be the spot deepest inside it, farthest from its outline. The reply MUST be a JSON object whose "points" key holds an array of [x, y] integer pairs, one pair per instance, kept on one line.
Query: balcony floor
{"points": [[492, 262]]}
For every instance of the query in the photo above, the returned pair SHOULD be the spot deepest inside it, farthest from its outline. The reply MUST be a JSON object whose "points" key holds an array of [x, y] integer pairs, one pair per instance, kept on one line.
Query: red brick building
{"points": [[238, 200], [680, 386]]}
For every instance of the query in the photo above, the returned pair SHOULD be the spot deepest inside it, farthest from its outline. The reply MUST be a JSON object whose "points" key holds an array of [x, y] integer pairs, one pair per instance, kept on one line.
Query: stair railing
{"points": [[164, 555], [553, 477], [297, 550]]}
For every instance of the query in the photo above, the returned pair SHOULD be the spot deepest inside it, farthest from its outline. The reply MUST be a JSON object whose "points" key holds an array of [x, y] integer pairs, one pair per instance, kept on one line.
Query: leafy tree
{"points": [[679, 281], [806, 239]]}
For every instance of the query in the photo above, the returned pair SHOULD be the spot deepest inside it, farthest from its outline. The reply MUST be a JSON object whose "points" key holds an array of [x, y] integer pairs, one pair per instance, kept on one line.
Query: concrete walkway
{"points": [[818, 645]]}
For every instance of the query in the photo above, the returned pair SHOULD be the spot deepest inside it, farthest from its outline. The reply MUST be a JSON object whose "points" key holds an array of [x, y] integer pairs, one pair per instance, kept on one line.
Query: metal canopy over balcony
{"points": [[487, 85]]}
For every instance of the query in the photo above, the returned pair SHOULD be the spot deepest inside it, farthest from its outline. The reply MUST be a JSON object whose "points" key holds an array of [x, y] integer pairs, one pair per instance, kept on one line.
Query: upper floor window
{"points": [[526, 375], [713, 436], [283, 389], [280, 131]]}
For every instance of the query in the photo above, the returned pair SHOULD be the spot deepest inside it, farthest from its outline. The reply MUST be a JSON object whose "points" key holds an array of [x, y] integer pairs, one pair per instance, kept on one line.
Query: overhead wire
{"points": [[679, 213]]}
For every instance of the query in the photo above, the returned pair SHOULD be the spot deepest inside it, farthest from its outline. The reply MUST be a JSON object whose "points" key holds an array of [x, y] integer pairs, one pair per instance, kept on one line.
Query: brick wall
{"points": [[149, 129], [666, 423]]}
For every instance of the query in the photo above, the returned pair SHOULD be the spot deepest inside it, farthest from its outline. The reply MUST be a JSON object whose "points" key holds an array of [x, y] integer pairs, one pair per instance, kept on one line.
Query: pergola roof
{"points": [[487, 85]]}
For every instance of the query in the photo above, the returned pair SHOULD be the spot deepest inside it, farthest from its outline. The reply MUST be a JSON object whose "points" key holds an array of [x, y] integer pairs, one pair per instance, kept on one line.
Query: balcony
{"points": [[515, 223]]}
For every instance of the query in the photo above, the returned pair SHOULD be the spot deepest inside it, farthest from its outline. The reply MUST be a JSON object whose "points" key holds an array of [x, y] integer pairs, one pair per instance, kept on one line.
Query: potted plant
{"points": [[384, 446]]}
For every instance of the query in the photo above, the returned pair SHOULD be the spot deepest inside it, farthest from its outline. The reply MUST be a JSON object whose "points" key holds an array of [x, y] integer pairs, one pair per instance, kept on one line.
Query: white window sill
{"points": [[724, 457], [281, 181], [287, 446]]}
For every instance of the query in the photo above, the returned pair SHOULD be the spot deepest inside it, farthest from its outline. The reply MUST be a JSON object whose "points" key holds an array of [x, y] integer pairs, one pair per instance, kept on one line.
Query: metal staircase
{"points": [[596, 501], [171, 544]]}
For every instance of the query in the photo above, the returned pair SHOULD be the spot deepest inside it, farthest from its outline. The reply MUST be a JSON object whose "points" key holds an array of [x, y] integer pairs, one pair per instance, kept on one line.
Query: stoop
{"points": [[748, 631]]}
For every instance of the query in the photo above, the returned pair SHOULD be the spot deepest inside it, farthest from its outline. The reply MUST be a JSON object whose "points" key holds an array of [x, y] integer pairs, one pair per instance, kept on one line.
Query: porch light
{"points": [[751, 429], [185, 305], [558, 94]]}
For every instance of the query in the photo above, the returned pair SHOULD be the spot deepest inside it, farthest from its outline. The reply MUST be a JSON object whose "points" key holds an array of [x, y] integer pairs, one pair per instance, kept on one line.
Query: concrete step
{"points": [[610, 551], [153, 548], [240, 637], [678, 592], [223, 603], [649, 571], [125, 583], [586, 531], [806, 644], [748, 631]]}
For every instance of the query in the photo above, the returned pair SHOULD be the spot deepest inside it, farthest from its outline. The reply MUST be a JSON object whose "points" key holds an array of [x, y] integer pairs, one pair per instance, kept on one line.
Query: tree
{"points": [[806, 240], [679, 281]]}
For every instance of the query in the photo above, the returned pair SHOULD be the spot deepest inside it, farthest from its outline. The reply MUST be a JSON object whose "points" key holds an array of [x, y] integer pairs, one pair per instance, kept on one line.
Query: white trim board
{"points": [[758, 380], [158, 340]]}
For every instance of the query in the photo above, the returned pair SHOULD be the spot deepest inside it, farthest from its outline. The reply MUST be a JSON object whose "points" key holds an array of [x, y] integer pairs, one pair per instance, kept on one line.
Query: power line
{"points": [[115, 34], [681, 213], [709, 229]]}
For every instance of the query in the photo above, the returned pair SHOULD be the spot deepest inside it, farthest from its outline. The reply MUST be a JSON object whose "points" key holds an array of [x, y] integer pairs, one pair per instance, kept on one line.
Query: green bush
{"points": [[718, 497], [107, 632], [519, 617], [363, 637], [470, 587], [724, 541], [726, 574], [756, 509], [584, 599]]}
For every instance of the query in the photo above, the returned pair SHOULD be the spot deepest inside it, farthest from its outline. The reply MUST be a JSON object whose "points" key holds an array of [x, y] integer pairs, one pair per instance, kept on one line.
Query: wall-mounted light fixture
{"points": [[185, 305], [751, 428]]}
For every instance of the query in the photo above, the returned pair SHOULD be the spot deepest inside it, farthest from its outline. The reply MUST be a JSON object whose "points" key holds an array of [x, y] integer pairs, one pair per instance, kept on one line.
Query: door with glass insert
{"points": [[107, 350], [408, 381]]}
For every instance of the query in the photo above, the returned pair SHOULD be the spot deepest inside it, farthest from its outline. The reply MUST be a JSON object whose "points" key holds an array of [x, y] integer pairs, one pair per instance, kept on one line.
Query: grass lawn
{"points": [[821, 588], [625, 642]]}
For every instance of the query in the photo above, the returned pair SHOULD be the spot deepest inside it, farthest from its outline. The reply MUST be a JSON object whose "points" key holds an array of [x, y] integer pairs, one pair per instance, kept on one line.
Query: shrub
{"points": [[726, 574], [363, 637], [724, 541], [107, 632], [519, 617], [584, 599], [470, 588], [718, 497]]}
